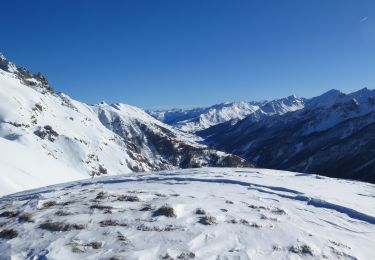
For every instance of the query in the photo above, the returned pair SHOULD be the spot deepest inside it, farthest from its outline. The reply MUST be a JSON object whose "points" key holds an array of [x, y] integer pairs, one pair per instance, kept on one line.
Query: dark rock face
{"points": [[47, 132], [44, 82], [336, 141], [4, 63], [24, 75], [39, 76], [184, 155]]}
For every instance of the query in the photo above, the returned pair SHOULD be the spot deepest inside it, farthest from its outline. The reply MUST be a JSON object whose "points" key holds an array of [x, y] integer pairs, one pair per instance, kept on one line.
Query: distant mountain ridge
{"points": [[199, 119]]}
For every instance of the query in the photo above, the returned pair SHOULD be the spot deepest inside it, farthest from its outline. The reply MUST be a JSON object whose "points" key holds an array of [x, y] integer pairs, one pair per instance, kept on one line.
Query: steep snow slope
{"points": [[199, 119], [197, 213], [93, 139], [333, 135], [22, 168]]}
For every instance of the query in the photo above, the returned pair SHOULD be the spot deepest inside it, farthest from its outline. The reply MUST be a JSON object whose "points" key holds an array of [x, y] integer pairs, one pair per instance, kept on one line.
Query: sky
{"points": [[186, 53]]}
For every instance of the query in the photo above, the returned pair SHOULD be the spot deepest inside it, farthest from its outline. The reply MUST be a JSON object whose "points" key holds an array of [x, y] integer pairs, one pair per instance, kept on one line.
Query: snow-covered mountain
{"points": [[199, 119], [283, 105], [192, 120], [207, 213], [210, 213], [89, 139], [265, 109], [332, 135]]}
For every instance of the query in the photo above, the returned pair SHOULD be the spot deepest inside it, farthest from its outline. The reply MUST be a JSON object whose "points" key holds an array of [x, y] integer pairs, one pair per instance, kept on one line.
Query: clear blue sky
{"points": [[167, 53]]}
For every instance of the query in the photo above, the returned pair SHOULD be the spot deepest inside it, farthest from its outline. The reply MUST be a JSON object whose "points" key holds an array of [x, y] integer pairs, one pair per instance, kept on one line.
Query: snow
{"points": [[245, 214], [334, 107], [209, 213], [326, 99], [193, 120], [85, 138], [197, 119], [26, 169], [25, 110]]}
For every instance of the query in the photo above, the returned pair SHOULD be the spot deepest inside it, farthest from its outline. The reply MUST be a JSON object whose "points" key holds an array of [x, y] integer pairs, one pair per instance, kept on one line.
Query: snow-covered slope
{"points": [[283, 105], [22, 168], [192, 214], [91, 139], [333, 135], [199, 119]]}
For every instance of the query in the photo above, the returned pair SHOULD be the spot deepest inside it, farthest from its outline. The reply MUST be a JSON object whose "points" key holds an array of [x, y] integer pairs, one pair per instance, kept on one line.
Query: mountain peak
{"points": [[363, 91], [2, 57], [292, 97], [24, 75], [332, 92], [326, 99], [363, 95]]}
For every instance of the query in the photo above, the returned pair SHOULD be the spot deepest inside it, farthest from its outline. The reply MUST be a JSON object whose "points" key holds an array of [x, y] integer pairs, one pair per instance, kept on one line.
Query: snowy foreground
{"points": [[210, 213]]}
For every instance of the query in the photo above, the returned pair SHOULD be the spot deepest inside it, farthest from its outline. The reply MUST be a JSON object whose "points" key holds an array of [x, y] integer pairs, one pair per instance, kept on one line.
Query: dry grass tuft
{"points": [[129, 198], [25, 218], [8, 234], [8, 214], [200, 211], [49, 204], [207, 220], [111, 223], [60, 226], [166, 211]]}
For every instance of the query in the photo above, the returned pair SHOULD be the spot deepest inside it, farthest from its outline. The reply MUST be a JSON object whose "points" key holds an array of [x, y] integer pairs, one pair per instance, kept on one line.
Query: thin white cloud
{"points": [[364, 19]]}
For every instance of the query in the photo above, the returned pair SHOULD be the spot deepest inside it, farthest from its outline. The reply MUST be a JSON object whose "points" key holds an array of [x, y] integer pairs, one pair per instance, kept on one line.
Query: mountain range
{"points": [[331, 134], [198, 119], [105, 181], [90, 140]]}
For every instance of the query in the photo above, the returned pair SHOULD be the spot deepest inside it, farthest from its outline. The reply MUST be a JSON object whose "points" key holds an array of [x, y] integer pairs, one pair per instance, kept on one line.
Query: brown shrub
{"points": [[49, 204], [166, 211], [200, 211], [25, 218], [60, 226], [129, 198], [8, 234], [101, 207], [96, 244], [207, 220], [147, 207], [111, 222], [8, 214], [61, 213]]}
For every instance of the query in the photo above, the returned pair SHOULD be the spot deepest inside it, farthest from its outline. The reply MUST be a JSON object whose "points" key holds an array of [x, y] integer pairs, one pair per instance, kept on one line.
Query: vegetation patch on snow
{"points": [[219, 213]]}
